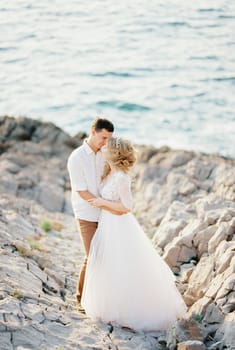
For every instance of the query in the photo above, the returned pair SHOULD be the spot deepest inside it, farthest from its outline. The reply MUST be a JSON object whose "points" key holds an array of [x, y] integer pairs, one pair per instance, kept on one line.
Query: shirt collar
{"points": [[88, 149]]}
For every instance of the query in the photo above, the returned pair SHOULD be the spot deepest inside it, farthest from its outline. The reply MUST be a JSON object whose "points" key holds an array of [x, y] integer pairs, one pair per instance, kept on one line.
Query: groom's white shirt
{"points": [[85, 170]]}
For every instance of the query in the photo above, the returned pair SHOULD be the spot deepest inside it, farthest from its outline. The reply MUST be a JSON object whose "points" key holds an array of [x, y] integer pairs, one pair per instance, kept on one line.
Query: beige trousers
{"points": [[87, 230]]}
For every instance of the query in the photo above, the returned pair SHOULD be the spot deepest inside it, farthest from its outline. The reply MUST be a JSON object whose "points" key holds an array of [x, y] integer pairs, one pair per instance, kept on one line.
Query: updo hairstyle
{"points": [[121, 154]]}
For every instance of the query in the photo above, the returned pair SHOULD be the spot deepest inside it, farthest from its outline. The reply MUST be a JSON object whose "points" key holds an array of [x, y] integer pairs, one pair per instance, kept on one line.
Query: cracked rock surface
{"points": [[184, 201], [38, 278]]}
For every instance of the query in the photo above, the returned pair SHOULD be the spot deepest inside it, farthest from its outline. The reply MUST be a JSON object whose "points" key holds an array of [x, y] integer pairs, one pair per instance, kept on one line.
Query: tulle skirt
{"points": [[127, 283]]}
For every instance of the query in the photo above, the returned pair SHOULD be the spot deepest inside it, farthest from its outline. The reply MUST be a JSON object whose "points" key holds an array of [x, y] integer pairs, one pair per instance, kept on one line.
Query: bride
{"points": [[127, 283]]}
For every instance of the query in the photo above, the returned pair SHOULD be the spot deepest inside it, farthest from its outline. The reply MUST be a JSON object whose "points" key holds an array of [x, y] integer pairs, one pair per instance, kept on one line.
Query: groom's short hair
{"points": [[102, 123]]}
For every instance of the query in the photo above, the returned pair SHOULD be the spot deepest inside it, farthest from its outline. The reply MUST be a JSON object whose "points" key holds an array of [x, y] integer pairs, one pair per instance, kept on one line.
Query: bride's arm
{"points": [[113, 207], [89, 197], [123, 206]]}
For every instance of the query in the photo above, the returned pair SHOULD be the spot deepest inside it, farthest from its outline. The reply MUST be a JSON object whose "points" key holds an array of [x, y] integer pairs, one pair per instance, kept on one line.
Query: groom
{"points": [[85, 166]]}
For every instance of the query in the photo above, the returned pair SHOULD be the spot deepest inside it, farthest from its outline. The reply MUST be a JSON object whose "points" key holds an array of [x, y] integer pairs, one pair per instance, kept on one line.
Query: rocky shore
{"points": [[184, 200]]}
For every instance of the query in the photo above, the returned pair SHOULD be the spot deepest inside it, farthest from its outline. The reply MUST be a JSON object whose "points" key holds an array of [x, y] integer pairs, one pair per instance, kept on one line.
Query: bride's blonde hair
{"points": [[120, 153]]}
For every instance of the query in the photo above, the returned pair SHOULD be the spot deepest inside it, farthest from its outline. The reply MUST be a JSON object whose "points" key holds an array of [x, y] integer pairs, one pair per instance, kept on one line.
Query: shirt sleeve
{"points": [[76, 174], [124, 190]]}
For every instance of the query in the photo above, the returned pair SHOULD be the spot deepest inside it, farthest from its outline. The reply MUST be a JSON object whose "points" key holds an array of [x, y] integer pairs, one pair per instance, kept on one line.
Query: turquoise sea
{"points": [[162, 70]]}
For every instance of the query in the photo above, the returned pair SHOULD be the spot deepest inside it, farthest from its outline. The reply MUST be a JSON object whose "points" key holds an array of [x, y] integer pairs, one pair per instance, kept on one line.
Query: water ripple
{"points": [[113, 74], [123, 106]]}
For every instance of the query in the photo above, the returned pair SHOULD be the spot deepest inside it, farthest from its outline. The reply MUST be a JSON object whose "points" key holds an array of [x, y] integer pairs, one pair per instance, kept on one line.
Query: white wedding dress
{"points": [[127, 283]]}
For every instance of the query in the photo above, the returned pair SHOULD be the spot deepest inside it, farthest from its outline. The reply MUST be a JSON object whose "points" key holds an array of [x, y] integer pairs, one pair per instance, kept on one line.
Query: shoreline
{"points": [[81, 133]]}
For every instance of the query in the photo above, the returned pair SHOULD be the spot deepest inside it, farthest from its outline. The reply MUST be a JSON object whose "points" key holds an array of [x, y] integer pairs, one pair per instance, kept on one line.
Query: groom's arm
{"points": [[86, 195], [89, 197], [114, 207]]}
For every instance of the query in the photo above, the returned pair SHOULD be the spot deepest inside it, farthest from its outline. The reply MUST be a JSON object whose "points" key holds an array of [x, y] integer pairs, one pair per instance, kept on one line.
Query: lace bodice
{"points": [[117, 187]]}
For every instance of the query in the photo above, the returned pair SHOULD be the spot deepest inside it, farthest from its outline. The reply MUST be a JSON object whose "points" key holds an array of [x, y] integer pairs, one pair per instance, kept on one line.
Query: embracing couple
{"points": [[123, 280]]}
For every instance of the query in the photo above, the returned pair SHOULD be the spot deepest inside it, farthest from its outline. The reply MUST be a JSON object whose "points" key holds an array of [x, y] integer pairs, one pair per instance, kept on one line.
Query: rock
{"points": [[8, 184], [203, 272], [211, 217], [182, 331], [51, 197], [167, 231], [25, 129], [216, 346], [181, 249], [222, 233], [215, 286], [6, 343], [38, 174], [226, 332], [191, 345], [187, 187], [213, 315], [224, 182], [198, 304], [227, 215], [202, 238], [199, 169], [7, 166], [27, 337], [211, 203], [185, 272], [145, 153], [224, 255], [174, 221], [177, 158], [228, 285]]}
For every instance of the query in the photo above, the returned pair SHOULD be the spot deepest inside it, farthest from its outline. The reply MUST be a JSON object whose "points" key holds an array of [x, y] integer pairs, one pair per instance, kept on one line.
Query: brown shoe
{"points": [[80, 309]]}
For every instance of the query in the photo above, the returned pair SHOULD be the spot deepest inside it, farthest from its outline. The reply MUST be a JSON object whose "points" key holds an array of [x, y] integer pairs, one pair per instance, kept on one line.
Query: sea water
{"points": [[162, 71]]}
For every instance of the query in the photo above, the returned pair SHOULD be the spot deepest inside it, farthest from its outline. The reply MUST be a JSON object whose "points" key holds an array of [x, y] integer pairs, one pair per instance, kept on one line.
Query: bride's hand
{"points": [[96, 202]]}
